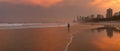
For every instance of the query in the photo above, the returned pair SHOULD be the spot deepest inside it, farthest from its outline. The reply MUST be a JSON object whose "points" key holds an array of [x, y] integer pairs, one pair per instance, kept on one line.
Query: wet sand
{"points": [[34, 39], [78, 38]]}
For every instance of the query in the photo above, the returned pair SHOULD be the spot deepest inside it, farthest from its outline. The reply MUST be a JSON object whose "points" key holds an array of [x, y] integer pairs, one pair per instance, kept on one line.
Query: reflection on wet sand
{"points": [[78, 38], [104, 43], [36, 39], [109, 30], [51, 39], [96, 40]]}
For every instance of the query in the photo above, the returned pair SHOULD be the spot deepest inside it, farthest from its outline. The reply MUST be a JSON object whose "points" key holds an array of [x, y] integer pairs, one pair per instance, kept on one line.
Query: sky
{"points": [[40, 9]]}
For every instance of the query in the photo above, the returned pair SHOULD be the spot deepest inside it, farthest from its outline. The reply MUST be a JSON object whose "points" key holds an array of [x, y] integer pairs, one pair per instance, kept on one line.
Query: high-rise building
{"points": [[109, 13]]}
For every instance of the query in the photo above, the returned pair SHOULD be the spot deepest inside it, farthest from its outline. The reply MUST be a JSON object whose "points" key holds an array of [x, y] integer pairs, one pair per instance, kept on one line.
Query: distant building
{"points": [[117, 14], [99, 16], [109, 13], [92, 16], [78, 18]]}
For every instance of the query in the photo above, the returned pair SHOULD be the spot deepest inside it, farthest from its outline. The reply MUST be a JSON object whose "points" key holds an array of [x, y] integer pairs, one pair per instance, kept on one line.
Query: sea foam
{"points": [[30, 25]]}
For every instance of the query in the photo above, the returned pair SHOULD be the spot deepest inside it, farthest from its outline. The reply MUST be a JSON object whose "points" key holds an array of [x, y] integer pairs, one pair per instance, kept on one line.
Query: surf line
{"points": [[69, 43]]}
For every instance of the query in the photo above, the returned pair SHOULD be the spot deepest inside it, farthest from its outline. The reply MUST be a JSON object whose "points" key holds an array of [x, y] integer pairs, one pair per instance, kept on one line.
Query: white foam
{"points": [[30, 25], [11, 24]]}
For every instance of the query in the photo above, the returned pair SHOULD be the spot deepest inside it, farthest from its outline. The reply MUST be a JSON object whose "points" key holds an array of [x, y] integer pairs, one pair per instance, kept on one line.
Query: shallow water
{"points": [[101, 38], [78, 38]]}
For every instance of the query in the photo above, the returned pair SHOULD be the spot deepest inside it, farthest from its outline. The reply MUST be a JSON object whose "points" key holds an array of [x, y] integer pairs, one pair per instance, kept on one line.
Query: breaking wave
{"points": [[30, 25]]}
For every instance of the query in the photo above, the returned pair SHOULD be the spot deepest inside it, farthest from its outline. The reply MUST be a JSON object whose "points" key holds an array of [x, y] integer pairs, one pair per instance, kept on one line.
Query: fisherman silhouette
{"points": [[68, 25]]}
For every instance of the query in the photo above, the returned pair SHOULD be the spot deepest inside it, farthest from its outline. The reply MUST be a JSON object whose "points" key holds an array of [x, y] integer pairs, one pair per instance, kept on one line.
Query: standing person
{"points": [[68, 25]]}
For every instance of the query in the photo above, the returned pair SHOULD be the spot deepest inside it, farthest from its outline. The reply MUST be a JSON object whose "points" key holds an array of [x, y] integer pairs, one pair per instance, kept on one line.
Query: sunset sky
{"points": [[54, 8]]}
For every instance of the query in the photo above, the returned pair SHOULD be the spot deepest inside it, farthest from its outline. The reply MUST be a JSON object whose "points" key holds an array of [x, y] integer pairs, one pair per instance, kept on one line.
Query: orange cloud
{"points": [[45, 3], [107, 4]]}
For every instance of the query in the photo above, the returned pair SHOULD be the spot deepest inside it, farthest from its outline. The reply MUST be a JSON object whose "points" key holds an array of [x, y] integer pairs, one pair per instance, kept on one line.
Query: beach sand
{"points": [[39, 39], [34, 39]]}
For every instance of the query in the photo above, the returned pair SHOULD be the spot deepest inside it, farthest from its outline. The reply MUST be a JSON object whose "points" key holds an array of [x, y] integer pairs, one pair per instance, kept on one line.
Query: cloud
{"points": [[44, 3], [62, 8], [107, 4], [68, 8]]}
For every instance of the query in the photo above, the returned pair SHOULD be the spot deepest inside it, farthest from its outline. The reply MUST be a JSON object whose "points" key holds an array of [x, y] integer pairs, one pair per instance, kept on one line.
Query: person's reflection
{"points": [[109, 30]]}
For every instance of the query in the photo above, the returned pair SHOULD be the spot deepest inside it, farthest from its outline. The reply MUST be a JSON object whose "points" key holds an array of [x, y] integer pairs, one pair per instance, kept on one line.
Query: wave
{"points": [[30, 25]]}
